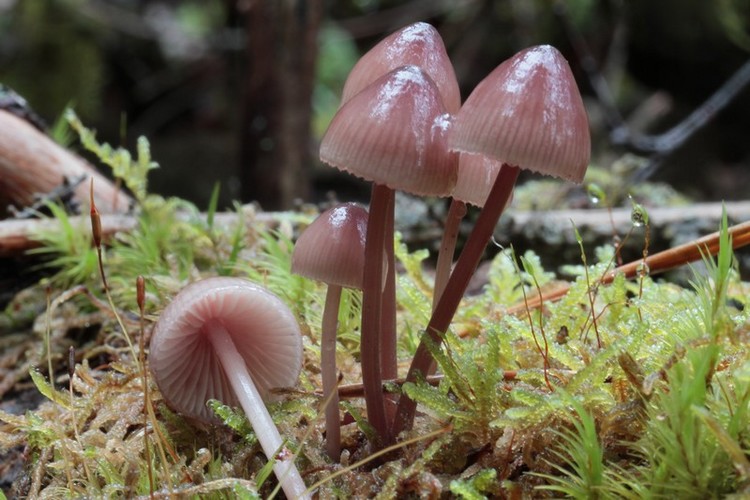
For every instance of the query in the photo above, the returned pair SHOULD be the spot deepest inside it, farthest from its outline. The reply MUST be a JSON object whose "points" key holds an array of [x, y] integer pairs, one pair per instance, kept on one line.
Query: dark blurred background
{"points": [[240, 91]]}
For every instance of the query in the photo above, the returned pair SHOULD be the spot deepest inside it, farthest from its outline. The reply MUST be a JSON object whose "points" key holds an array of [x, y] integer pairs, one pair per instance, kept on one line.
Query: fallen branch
{"points": [[33, 165], [602, 222], [19, 235]]}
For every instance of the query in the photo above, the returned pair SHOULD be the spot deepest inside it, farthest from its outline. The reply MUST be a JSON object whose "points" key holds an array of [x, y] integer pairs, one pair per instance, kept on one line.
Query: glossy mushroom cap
{"points": [[528, 112], [332, 248], [184, 363], [418, 44], [393, 133]]}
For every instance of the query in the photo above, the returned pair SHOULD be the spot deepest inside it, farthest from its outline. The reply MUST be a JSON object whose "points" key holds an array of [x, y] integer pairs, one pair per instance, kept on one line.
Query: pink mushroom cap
{"points": [[528, 112], [393, 133], [183, 361], [332, 248], [418, 44]]}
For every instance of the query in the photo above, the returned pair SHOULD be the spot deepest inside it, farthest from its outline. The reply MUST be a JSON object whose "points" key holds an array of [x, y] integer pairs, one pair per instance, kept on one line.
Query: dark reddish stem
{"points": [[381, 203], [459, 279], [388, 340]]}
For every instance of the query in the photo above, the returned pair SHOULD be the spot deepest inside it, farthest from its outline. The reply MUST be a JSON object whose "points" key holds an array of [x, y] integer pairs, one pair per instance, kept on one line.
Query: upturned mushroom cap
{"points": [[528, 112], [332, 248], [183, 362], [418, 44], [393, 133]]}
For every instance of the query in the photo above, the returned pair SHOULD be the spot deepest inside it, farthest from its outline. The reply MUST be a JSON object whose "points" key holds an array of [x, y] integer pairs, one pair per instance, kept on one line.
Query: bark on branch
{"points": [[32, 165], [19, 235]]}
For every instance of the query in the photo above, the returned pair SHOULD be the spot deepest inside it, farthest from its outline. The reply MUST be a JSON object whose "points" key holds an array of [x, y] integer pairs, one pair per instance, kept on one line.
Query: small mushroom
{"points": [[332, 250], [231, 340], [418, 44], [527, 113], [389, 133]]}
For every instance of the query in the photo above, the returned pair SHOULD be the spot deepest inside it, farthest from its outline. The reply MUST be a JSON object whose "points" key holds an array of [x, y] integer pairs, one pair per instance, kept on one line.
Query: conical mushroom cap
{"points": [[394, 133], [528, 112], [332, 248], [418, 44]]}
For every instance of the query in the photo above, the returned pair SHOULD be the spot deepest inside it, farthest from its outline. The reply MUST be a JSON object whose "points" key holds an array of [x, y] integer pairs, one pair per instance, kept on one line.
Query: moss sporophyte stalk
{"points": [[611, 383]]}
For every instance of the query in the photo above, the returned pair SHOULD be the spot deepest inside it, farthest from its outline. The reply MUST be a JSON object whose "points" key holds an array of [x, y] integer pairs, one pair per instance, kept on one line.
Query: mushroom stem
{"points": [[257, 413], [329, 373], [459, 279], [388, 337], [381, 202], [456, 213]]}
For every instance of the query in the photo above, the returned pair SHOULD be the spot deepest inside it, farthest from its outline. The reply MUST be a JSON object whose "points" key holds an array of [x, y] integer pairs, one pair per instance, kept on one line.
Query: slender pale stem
{"points": [[459, 279], [255, 409], [329, 373], [381, 202], [456, 213]]}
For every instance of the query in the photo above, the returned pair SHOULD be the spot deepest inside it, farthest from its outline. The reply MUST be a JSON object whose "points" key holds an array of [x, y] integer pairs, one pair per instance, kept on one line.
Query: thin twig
{"points": [[352, 391], [658, 262], [19, 235]]}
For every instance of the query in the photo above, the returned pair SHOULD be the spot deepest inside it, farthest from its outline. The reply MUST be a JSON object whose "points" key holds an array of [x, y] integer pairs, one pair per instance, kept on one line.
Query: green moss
{"points": [[636, 389]]}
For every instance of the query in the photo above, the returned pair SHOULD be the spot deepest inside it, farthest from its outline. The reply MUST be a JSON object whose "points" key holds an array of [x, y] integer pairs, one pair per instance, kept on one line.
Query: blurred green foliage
{"points": [[336, 57], [177, 69], [735, 18], [52, 58]]}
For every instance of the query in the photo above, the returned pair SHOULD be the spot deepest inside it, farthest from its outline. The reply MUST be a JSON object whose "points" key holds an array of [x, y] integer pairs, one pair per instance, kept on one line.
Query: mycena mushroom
{"points": [[418, 44], [527, 113], [231, 340], [332, 250], [389, 133]]}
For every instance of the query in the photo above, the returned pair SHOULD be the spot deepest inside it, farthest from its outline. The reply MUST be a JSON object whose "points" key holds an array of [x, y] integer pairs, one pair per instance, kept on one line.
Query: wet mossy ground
{"points": [[636, 388]]}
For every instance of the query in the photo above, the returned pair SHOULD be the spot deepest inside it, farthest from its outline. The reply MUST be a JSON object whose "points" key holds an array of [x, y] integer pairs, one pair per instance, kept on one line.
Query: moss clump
{"points": [[638, 388]]}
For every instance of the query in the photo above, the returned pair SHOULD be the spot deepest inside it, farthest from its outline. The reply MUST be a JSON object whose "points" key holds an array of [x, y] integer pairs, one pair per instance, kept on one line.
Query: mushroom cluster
{"points": [[402, 126], [391, 129], [526, 114]]}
